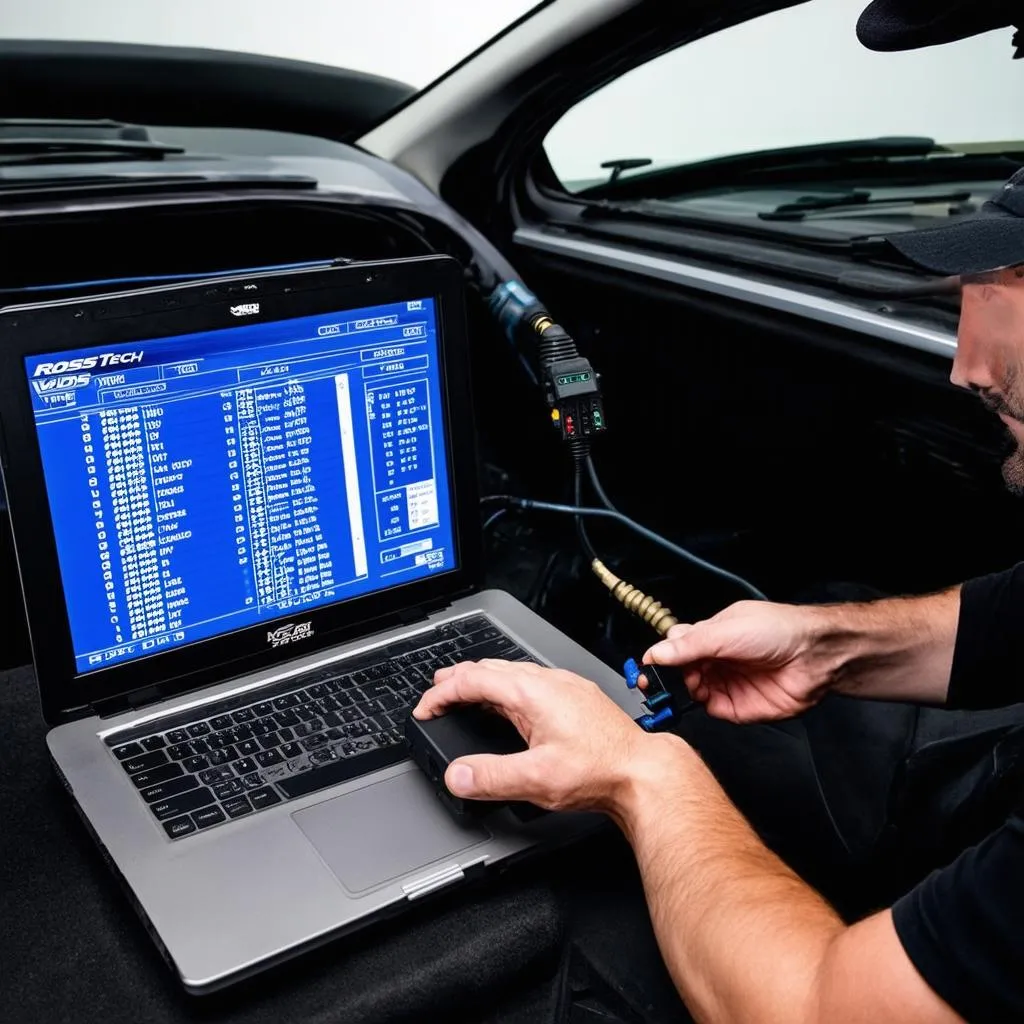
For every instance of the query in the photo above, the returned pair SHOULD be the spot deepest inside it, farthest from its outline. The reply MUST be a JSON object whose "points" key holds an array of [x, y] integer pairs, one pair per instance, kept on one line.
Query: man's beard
{"points": [[1013, 465], [1013, 469]]}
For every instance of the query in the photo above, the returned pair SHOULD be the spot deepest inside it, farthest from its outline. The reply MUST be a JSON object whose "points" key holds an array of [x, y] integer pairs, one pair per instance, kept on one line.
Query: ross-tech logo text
{"points": [[100, 362], [245, 309], [65, 374], [289, 633]]}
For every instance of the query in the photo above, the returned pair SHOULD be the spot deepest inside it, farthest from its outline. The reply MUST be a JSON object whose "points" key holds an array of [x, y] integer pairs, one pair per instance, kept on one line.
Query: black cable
{"points": [[492, 519], [539, 589], [602, 495], [607, 502], [581, 530], [579, 511]]}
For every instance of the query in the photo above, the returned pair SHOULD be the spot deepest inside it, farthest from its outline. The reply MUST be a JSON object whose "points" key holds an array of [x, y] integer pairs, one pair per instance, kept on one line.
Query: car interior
{"points": [[775, 386]]}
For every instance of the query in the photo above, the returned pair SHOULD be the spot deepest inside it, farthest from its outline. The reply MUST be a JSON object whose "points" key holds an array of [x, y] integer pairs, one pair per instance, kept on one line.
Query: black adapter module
{"points": [[465, 729]]}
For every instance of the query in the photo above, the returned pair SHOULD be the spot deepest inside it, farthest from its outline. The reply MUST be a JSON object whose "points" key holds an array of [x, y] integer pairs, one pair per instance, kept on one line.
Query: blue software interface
{"points": [[207, 482]]}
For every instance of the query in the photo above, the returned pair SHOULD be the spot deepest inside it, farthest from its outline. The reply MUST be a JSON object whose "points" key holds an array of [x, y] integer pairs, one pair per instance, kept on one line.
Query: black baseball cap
{"points": [[889, 25], [991, 239]]}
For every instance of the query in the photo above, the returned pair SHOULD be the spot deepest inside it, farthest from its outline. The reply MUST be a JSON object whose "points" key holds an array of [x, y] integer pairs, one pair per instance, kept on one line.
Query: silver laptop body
{"points": [[153, 714]]}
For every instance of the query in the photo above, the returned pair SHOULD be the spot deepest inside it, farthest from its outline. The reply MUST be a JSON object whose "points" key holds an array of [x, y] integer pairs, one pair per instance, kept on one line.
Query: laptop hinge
{"points": [[419, 613], [148, 695], [127, 702]]}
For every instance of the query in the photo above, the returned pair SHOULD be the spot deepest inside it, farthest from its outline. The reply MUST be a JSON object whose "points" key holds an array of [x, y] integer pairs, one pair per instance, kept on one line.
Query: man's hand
{"points": [[757, 662], [584, 750], [753, 662], [743, 937]]}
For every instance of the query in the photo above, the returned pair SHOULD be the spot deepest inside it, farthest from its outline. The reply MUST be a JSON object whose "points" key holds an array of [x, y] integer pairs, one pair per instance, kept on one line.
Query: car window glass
{"points": [[794, 77]]}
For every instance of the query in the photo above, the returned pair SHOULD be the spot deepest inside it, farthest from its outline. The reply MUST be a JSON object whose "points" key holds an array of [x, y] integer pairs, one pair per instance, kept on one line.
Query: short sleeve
{"points": [[988, 659], [961, 928]]}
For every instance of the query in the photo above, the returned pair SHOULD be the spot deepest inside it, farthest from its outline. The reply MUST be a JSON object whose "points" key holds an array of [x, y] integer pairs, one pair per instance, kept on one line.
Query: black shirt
{"points": [[963, 926]]}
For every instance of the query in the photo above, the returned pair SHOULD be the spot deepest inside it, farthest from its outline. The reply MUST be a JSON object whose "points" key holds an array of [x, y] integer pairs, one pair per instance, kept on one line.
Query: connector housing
{"points": [[573, 392]]}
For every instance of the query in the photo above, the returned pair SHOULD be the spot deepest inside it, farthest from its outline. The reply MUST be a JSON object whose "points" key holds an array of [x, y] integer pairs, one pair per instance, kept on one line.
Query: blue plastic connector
{"points": [[657, 698], [651, 722], [654, 699], [632, 673], [512, 304]]}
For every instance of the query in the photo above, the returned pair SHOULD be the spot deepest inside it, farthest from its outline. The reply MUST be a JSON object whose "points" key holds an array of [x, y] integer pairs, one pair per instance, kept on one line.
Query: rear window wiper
{"points": [[800, 208], [25, 141]]}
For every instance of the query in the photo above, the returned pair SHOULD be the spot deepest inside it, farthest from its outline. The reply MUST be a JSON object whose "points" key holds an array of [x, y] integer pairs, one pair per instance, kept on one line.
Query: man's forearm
{"points": [[743, 937], [896, 649]]}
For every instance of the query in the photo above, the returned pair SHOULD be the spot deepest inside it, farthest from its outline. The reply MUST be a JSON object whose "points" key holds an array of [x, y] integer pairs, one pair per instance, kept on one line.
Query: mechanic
{"points": [[742, 935], [925, 816]]}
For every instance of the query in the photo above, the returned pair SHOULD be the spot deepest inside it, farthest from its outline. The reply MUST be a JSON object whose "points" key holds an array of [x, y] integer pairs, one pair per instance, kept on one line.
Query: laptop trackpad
{"points": [[384, 831]]}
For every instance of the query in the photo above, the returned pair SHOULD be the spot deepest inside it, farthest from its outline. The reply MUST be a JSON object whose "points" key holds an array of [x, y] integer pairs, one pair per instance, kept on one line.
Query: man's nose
{"points": [[971, 368]]}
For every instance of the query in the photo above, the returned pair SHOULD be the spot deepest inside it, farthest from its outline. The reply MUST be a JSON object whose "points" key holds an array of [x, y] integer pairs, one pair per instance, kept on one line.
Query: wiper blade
{"points": [[37, 141], [62, 129], [741, 167], [22, 189], [800, 208], [50, 151]]}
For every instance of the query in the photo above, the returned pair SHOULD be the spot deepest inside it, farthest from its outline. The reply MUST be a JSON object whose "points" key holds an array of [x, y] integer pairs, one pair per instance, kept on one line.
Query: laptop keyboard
{"points": [[236, 757]]}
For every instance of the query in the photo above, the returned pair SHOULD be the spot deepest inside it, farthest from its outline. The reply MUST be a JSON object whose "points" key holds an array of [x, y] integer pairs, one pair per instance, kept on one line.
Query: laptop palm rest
{"points": [[384, 831]]}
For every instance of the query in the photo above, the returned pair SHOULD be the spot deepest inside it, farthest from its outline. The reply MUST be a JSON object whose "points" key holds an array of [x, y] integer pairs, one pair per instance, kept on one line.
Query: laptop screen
{"points": [[202, 483]]}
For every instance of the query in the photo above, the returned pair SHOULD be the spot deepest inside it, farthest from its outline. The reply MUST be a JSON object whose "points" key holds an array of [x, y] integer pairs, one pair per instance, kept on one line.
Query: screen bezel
{"points": [[178, 309]]}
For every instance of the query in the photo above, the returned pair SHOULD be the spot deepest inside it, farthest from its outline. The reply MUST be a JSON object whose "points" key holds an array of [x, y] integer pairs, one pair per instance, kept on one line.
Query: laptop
{"points": [[246, 521]]}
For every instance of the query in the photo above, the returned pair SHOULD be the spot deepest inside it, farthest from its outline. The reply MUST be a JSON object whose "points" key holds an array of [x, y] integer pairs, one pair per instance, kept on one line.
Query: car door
{"points": [[701, 198]]}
